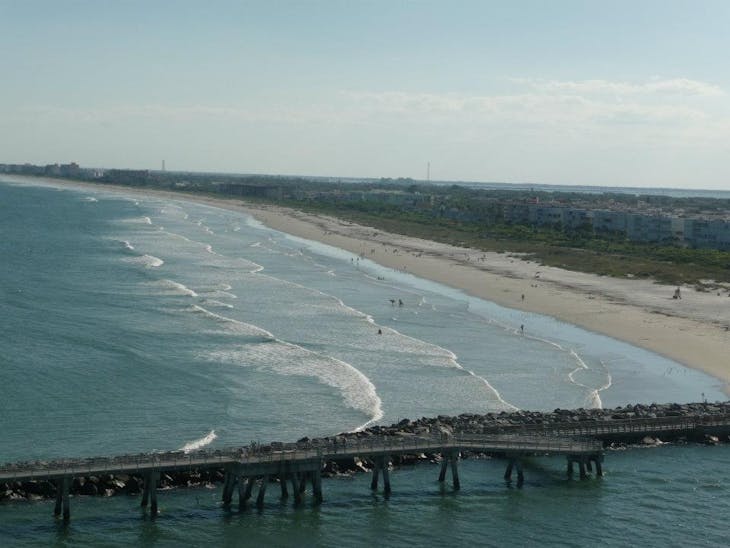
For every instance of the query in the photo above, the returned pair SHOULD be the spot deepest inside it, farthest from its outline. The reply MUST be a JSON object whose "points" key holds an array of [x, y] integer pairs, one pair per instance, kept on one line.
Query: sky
{"points": [[617, 93]]}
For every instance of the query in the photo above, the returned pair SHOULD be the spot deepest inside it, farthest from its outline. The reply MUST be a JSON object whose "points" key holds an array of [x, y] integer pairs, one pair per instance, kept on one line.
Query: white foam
{"points": [[447, 358], [231, 325], [90, 199], [199, 443], [204, 226], [137, 220], [171, 287], [218, 291], [594, 397], [127, 245], [148, 261], [287, 359]]}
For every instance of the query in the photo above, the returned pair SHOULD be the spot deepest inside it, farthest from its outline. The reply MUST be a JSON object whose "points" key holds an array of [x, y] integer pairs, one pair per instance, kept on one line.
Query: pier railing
{"points": [[637, 426], [256, 454], [547, 438]]}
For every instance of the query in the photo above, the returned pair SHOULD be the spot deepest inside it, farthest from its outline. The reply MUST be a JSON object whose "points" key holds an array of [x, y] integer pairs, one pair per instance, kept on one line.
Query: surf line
{"points": [[450, 356], [594, 395]]}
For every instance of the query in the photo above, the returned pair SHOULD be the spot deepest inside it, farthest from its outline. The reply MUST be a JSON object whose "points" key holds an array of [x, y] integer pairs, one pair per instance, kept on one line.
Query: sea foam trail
{"points": [[235, 326], [199, 443], [594, 396]]}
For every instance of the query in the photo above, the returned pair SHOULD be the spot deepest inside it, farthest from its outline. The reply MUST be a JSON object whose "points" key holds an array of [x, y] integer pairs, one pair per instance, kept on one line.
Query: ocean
{"points": [[134, 324]]}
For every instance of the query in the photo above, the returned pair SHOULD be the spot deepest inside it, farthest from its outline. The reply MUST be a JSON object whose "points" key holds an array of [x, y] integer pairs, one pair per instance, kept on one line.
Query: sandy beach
{"points": [[691, 330]]}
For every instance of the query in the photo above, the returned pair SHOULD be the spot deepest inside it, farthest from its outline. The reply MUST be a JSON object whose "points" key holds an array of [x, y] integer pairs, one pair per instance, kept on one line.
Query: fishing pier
{"points": [[298, 464]]}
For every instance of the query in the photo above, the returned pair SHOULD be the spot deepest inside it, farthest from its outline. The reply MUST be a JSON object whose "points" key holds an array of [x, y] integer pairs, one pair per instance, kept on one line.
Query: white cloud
{"points": [[675, 86], [533, 108]]}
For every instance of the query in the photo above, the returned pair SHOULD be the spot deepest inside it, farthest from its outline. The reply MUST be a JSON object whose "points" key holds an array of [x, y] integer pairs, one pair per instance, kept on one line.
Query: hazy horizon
{"points": [[569, 93]]}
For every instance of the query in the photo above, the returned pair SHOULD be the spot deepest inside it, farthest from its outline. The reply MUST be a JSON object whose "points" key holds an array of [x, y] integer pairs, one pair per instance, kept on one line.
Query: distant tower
{"points": [[428, 172], [163, 165]]}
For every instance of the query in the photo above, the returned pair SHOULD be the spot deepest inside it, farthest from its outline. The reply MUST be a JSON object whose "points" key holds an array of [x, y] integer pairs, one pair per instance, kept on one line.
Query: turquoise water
{"points": [[136, 324]]}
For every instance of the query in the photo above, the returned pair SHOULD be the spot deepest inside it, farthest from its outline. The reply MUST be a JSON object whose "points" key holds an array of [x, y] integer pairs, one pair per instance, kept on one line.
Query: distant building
{"points": [[241, 189], [609, 222], [132, 177], [649, 228], [707, 233]]}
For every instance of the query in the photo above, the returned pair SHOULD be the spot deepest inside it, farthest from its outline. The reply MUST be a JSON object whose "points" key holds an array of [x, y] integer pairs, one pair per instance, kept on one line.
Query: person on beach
{"points": [[522, 329]]}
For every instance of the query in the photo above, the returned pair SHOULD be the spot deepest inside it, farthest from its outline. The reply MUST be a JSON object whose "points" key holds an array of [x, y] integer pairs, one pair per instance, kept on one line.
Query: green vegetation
{"points": [[581, 252]]}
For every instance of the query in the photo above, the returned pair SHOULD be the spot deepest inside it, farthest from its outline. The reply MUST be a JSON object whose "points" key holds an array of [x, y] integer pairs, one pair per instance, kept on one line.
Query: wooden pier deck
{"points": [[580, 442], [263, 457]]}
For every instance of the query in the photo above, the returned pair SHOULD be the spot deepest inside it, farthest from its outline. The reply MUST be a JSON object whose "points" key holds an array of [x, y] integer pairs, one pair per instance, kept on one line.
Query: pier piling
{"points": [[244, 491], [229, 485], [62, 500], [282, 483], [302, 482], [149, 494], [317, 486], [508, 471], [444, 466], [453, 459], [384, 461], [516, 464], [376, 472], [455, 471], [262, 492], [582, 468], [599, 468], [295, 487], [66, 502]]}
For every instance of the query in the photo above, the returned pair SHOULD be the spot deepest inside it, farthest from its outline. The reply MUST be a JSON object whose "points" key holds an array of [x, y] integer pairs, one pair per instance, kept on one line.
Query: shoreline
{"points": [[691, 330]]}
